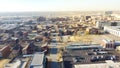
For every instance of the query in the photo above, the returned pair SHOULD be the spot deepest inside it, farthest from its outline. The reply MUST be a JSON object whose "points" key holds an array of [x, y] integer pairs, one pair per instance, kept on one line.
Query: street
{"points": [[53, 56]]}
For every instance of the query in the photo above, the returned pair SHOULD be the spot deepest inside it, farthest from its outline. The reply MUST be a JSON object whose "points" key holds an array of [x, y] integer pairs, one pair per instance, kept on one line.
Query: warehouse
{"points": [[80, 46], [115, 30], [38, 61], [91, 58]]}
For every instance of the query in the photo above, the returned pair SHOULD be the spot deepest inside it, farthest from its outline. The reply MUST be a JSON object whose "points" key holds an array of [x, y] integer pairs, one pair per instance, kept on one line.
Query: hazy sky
{"points": [[58, 5]]}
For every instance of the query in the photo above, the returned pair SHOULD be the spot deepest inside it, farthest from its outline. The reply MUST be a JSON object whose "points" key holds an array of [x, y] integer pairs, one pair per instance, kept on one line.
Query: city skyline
{"points": [[58, 5]]}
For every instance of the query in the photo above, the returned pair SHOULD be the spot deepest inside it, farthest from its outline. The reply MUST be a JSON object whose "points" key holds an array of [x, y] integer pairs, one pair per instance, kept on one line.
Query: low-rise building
{"points": [[101, 24], [115, 30], [5, 51], [110, 44], [91, 58], [92, 30], [38, 61]]}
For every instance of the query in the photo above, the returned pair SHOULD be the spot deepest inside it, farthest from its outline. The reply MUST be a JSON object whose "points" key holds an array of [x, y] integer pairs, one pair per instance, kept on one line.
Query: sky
{"points": [[58, 5]]}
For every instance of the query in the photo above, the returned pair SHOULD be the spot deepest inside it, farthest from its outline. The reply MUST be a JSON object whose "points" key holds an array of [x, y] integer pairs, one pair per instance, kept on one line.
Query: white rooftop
{"points": [[114, 27], [37, 60], [8, 26]]}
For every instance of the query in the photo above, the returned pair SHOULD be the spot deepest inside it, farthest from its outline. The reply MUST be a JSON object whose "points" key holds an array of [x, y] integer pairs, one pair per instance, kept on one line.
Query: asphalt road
{"points": [[53, 56]]}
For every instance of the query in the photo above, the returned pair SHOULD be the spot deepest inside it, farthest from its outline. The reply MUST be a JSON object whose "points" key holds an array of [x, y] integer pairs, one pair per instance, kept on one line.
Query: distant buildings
{"points": [[101, 24], [108, 12], [40, 19], [8, 26], [91, 30], [87, 17]]}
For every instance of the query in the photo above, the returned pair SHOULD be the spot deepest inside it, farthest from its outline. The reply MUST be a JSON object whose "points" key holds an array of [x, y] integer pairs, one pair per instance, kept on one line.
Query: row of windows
{"points": [[115, 32]]}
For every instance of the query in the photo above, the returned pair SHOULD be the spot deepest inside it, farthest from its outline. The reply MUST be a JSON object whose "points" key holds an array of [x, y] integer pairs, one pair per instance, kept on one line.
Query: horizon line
{"points": [[62, 11]]}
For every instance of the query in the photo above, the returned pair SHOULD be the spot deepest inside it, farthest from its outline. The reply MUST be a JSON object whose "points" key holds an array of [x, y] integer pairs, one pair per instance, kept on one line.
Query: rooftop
{"points": [[114, 27], [83, 46], [38, 59], [89, 56], [8, 26]]}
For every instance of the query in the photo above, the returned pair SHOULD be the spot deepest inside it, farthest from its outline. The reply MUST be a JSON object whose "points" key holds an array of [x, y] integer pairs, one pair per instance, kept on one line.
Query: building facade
{"points": [[115, 30]]}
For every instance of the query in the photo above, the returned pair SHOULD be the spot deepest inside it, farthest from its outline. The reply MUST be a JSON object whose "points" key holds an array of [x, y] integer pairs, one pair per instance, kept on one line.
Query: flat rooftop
{"points": [[80, 46], [38, 59], [8, 26], [89, 56], [114, 27]]}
